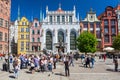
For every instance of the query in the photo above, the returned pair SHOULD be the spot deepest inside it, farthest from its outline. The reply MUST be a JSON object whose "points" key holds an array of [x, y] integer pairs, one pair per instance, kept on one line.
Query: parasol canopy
{"points": [[108, 49]]}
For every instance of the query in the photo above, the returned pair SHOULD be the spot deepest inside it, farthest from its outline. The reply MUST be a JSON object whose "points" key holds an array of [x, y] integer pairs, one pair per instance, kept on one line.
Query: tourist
{"points": [[92, 61], [16, 67], [66, 62], [116, 63]]}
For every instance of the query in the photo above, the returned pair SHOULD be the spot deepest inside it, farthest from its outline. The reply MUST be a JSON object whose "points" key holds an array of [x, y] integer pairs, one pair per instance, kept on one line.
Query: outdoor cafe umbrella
{"points": [[108, 49]]}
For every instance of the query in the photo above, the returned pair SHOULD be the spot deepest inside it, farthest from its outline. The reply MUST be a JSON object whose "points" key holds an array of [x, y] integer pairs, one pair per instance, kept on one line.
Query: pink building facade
{"points": [[5, 6], [35, 36]]}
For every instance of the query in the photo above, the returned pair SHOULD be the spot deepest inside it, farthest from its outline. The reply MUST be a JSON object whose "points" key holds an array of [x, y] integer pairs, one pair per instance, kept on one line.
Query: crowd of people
{"points": [[45, 63], [39, 63]]}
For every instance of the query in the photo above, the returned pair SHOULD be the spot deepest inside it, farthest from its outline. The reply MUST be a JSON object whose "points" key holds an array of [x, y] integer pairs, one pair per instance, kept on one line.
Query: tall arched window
{"points": [[60, 36], [73, 40], [48, 40]]}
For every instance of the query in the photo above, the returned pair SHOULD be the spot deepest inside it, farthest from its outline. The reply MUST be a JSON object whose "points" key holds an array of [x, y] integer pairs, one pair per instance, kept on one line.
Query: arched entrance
{"points": [[73, 40], [60, 41], [48, 40]]}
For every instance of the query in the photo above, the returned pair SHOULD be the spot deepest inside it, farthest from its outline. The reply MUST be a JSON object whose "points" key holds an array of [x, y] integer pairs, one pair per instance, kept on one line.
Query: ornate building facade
{"points": [[13, 36], [5, 7], [60, 28], [35, 36], [109, 26], [23, 36], [93, 25], [118, 16]]}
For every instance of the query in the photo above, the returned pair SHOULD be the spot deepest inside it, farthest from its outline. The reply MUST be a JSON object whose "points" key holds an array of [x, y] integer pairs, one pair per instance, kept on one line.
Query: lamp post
{"points": [[8, 45]]}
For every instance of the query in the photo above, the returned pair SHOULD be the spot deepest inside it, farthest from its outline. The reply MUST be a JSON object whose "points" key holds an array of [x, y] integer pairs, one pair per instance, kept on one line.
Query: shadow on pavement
{"points": [[60, 74], [11, 76], [112, 70], [29, 72]]}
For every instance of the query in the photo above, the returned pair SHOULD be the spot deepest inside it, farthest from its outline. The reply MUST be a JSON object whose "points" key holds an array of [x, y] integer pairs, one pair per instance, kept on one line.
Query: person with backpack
{"points": [[16, 67]]}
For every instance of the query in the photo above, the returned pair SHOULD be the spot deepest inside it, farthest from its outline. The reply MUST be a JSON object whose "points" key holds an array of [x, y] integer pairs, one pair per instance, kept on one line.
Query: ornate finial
{"points": [[46, 9], [41, 17], [74, 8], [59, 5], [18, 13], [91, 10]]}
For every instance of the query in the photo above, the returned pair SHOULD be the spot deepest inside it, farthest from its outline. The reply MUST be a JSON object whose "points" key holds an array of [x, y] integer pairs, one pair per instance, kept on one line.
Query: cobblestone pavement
{"points": [[101, 71]]}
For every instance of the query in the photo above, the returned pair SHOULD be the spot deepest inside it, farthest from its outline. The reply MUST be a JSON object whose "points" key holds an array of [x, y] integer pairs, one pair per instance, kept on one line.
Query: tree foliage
{"points": [[116, 43], [87, 42]]}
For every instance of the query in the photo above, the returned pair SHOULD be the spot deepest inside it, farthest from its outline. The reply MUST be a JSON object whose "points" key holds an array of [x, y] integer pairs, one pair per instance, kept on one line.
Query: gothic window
{"points": [[70, 19], [73, 41], [48, 40], [85, 25], [58, 19], [63, 19], [60, 36], [51, 19]]}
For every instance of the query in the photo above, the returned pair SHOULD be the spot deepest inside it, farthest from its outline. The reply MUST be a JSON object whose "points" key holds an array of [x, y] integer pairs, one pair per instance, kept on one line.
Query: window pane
{"points": [[70, 19], [1, 34], [22, 29], [58, 19], [36, 25]]}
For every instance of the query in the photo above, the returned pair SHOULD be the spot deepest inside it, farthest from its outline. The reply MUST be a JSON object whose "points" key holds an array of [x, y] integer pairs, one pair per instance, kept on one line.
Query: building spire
{"points": [[41, 17], [18, 13], [46, 9], [78, 17], [59, 6]]}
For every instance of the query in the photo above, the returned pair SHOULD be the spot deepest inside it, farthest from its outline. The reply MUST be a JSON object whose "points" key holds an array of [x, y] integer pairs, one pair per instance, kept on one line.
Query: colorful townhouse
{"points": [[35, 36], [5, 7], [93, 25], [109, 26], [23, 36]]}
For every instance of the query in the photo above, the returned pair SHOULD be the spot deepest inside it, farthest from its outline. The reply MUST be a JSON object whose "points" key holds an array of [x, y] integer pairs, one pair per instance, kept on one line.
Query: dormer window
{"points": [[23, 23], [36, 25], [109, 14]]}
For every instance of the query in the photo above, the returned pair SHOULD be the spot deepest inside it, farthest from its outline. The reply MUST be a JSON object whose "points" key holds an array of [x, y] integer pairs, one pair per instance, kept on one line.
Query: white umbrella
{"points": [[108, 49]]}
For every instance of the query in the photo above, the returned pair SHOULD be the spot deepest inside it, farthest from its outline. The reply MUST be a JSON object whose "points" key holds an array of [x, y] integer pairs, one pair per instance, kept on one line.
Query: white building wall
{"points": [[55, 27], [13, 33]]}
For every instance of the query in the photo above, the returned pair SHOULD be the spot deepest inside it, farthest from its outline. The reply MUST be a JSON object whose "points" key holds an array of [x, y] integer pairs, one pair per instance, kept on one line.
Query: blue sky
{"points": [[29, 8]]}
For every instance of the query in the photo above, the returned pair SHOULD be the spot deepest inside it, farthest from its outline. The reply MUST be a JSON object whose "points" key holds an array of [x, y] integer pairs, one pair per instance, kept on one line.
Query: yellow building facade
{"points": [[23, 36]]}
